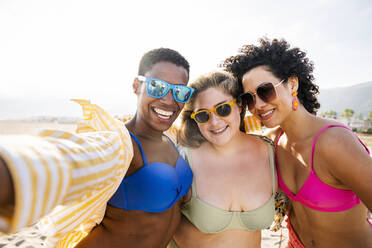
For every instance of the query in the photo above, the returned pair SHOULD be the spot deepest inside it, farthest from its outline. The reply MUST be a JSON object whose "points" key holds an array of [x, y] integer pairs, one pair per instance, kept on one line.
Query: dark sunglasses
{"points": [[159, 88], [222, 110], [265, 91]]}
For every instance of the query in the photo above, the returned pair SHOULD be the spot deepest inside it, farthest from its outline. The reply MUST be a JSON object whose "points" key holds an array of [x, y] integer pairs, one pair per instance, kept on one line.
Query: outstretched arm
{"points": [[76, 172], [80, 171]]}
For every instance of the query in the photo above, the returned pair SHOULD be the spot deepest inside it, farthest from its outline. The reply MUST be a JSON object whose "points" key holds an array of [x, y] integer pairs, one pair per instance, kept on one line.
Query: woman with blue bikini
{"points": [[83, 172]]}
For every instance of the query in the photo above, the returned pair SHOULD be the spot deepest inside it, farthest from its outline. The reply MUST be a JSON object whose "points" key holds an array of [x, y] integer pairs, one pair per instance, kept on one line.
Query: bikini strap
{"points": [[185, 153], [174, 145], [140, 147], [271, 151], [325, 128], [277, 140], [272, 163], [276, 150]]}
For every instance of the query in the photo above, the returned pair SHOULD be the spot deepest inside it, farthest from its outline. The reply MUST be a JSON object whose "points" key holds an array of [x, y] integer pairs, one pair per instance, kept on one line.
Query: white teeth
{"points": [[164, 117], [163, 112], [219, 130], [267, 113]]}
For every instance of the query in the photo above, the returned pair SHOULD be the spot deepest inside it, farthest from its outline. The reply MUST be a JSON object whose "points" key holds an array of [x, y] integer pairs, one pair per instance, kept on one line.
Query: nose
{"points": [[259, 102], [168, 98], [214, 119]]}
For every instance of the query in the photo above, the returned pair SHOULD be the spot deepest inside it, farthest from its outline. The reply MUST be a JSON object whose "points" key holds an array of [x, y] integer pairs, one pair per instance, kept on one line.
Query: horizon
{"points": [[68, 109]]}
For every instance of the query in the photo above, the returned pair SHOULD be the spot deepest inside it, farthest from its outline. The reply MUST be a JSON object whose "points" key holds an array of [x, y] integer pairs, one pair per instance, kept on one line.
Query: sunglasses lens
{"points": [[157, 88], [266, 92], [223, 110], [182, 93], [248, 100], [202, 117]]}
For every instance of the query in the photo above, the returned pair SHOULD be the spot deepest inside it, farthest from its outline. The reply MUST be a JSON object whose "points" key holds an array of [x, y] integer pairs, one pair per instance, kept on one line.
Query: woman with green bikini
{"points": [[234, 177]]}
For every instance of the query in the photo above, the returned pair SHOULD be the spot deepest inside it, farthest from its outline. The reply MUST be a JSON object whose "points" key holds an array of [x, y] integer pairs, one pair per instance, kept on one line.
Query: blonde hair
{"points": [[189, 134]]}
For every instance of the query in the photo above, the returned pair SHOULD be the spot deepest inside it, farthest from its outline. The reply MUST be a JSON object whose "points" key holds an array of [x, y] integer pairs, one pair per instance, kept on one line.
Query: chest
{"points": [[153, 184], [152, 152], [231, 183]]}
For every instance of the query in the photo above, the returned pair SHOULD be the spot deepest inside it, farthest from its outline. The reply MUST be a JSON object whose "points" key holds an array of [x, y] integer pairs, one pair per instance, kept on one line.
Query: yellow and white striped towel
{"points": [[76, 172], [252, 124]]}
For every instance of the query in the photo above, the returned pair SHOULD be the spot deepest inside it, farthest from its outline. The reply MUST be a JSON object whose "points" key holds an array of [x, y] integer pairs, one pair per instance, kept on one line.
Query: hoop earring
{"points": [[294, 101]]}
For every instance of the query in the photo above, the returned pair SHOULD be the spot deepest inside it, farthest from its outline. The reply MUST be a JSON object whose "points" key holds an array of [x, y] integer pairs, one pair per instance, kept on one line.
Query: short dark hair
{"points": [[189, 134], [281, 60], [154, 56]]}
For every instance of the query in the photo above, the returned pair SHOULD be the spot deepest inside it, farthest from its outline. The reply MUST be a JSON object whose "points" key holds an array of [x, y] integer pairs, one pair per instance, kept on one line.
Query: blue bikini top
{"points": [[154, 187]]}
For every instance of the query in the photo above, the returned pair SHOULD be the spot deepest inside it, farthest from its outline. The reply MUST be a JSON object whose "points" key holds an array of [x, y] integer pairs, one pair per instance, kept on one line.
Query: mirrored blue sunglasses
{"points": [[159, 88]]}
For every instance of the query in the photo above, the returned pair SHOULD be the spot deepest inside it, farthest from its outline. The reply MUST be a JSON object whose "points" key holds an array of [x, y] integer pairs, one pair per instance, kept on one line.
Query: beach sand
{"points": [[274, 239], [28, 127], [32, 238]]}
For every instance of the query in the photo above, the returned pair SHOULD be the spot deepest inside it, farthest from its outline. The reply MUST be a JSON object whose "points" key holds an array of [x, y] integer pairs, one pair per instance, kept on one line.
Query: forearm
{"points": [[6, 186]]}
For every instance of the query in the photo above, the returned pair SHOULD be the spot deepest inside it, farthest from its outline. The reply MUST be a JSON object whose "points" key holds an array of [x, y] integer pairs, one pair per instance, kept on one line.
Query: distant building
{"points": [[353, 123], [356, 124], [367, 124]]}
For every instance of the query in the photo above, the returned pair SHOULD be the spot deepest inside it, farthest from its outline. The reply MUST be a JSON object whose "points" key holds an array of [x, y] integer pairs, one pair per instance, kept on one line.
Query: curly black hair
{"points": [[154, 56], [283, 61], [189, 134]]}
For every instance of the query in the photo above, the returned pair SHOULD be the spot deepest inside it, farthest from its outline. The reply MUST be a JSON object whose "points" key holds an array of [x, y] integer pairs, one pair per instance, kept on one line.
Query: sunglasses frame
{"points": [[254, 94], [193, 114], [169, 87]]}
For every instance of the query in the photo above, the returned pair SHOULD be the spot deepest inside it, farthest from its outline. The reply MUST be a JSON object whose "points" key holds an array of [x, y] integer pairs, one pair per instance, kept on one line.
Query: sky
{"points": [[52, 51]]}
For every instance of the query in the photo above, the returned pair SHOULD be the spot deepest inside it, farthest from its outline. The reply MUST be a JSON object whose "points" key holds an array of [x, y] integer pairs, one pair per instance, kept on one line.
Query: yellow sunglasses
{"points": [[221, 110]]}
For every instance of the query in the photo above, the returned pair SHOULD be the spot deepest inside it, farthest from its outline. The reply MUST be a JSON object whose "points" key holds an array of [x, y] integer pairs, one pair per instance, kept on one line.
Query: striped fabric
{"points": [[78, 173], [252, 124]]}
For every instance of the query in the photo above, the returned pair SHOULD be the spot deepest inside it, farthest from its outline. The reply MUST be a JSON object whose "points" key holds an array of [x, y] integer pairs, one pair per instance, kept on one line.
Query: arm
{"points": [[78, 172], [348, 162], [59, 169]]}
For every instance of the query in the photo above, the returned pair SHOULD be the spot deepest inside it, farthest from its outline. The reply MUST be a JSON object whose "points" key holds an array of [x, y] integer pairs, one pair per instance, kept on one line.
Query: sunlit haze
{"points": [[51, 51]]}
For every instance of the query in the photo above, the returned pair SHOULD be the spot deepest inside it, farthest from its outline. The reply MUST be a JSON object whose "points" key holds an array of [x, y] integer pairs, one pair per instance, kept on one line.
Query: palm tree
{"points": [[348, 113]]}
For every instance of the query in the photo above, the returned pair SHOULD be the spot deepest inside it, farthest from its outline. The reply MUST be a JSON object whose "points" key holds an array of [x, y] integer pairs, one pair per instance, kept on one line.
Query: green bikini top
{"points": [[210, 219]]}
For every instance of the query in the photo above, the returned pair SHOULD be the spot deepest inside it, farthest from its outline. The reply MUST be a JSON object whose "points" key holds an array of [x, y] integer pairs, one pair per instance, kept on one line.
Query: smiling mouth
{"points": [[264, 115], [219, 131], [163, 114]]}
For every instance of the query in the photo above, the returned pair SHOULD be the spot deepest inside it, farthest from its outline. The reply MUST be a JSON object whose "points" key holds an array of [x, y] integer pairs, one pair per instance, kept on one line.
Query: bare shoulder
{"points": [[340, 148], [338, 139], [255, 142]]}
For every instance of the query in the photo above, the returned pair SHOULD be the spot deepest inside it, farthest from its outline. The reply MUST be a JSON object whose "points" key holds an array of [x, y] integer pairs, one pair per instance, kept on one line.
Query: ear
{"points": [[293, 83], [136, 86]]}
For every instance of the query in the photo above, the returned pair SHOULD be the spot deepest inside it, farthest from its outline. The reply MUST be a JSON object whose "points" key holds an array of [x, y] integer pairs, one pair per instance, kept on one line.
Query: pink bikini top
{"points": [[314, 193]]}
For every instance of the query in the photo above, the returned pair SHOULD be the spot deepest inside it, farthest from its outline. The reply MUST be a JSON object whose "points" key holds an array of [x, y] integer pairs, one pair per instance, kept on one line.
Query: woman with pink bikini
{"points": [[322, 165]]}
